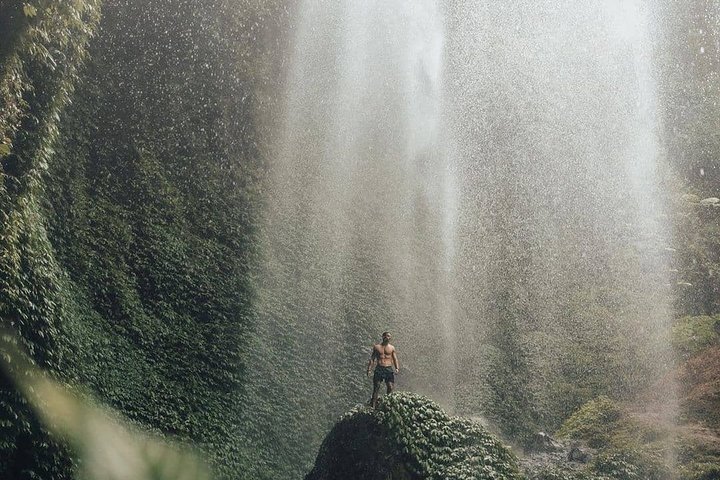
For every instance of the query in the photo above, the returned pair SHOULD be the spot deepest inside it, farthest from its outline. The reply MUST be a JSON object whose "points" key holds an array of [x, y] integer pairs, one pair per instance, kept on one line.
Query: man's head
{"points": [[386, 337]]}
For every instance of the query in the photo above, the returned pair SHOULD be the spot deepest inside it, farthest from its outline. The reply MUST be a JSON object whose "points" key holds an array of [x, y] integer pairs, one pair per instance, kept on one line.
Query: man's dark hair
{"points": [[385, 333]]}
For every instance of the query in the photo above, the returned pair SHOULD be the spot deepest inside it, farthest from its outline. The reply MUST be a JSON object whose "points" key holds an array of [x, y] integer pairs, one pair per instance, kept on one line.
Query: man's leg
{"points": [[390, 386], [376, 391]]}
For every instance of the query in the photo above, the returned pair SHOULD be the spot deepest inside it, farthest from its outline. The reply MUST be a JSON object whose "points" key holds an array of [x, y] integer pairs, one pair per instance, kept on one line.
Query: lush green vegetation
{"points": [[443, 447], [103, 443], [691, 335], [412, 438], [627, 448], [44, 44], [129, 192], [127, 223]]}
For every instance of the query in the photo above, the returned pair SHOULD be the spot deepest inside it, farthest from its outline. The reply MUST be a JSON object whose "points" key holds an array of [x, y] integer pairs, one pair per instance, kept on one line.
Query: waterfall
{"points": [[479, 179], [561, 266], [358, 226]]}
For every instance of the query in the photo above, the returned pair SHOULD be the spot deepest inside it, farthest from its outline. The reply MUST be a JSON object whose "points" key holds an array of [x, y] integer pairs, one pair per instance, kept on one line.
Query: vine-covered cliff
{"points": [[135, 141], [129, 170]]}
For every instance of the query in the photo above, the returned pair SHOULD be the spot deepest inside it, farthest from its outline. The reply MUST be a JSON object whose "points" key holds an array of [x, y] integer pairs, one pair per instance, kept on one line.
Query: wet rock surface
{"points": [[546, 454], [542, 442], [577, 455]]}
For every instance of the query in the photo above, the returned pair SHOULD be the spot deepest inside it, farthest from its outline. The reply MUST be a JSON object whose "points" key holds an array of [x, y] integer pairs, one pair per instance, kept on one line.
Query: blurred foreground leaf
{"points": [[108, 448]]}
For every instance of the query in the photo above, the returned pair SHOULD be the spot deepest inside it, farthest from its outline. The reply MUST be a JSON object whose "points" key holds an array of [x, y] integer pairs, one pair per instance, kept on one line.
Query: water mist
{"points": [[478, 178]]}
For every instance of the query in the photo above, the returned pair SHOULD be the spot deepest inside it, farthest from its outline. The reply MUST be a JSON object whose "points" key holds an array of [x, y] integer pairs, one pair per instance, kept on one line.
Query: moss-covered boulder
{"points": [[594, 423], [629, 445], [410, 437]]}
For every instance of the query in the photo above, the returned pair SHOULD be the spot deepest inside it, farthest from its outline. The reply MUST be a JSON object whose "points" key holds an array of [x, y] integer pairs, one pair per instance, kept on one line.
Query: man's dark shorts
{"points": [[384, 374]]}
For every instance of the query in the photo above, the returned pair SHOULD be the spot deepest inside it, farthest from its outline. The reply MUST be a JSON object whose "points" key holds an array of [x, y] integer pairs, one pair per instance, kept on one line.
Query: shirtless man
{"points": [[386, 358]]}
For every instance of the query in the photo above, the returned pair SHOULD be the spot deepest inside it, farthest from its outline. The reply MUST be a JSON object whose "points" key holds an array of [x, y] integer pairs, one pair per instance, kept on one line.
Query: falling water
{"points": [[358, 231], [560, 276], [360, 205], [477, 178]]}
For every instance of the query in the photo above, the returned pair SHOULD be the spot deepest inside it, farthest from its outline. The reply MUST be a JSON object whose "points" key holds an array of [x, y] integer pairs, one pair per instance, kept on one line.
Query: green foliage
{"points": [[690, 92], [697, 452], [126, 224], [559, 472], [619, 466], [696, 239], [505, 360], [627, 449], [127, 228], [37, 78], [538, 371], [106, 446], [689, 335], [703, 471], [35, 85], [595, 422], [437, 446], [29, 10], [630, 464]]}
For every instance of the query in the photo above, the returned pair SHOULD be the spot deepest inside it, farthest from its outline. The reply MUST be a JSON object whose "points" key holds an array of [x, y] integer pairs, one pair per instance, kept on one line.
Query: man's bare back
{"points": [[384, 356]]}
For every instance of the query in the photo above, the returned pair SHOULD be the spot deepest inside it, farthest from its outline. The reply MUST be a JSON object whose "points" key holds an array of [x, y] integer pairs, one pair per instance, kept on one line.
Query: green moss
{"points": [[435, 445], [595, 422], [559, 472], [689, 335], [629, 464], [627, 449]]}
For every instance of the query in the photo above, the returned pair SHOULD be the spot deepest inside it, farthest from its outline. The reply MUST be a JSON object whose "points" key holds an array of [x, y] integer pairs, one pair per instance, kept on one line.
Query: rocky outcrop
{"points": [[357, 447], [409, 437], [542, 442]]}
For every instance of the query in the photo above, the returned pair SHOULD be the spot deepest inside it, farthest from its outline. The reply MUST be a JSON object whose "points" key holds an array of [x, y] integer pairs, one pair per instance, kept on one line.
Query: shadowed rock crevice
{"points": [[358, 447]]}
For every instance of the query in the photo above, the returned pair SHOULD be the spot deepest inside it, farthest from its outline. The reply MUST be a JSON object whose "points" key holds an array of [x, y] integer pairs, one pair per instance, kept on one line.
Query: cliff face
{"points": [[409, 437], [42, 48], [129, 166]]}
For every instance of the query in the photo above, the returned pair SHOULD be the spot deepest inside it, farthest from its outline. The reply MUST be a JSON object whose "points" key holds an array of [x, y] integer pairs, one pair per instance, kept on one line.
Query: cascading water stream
{"points": [[361, 178], [358, 226], [478, 179], [561, 257]]}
